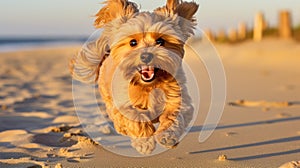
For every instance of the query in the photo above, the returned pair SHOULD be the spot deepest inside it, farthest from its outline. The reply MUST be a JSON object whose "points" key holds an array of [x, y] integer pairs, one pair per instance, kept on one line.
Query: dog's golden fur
{"points": [[165, 99]]}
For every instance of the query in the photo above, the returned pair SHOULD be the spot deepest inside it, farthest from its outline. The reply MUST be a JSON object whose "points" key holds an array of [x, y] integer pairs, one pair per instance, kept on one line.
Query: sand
{"points": [[259, 127]]}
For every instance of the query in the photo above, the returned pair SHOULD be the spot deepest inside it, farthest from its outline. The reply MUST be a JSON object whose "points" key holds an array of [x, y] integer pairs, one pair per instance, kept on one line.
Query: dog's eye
{"points": [[133, 43], [160, 41]]}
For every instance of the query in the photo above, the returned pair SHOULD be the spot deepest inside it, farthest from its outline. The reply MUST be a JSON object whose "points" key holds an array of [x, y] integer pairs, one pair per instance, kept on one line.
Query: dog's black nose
{"points": [[146, 57]]}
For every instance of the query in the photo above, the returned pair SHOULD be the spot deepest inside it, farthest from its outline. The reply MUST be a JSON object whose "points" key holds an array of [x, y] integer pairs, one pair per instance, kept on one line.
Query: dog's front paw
{"points": [[144, 145], [167, 139], [169, 136]]}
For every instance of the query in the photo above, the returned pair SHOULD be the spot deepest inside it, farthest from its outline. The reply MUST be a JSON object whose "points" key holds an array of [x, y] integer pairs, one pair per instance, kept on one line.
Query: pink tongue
{"points": [[148, 72]]}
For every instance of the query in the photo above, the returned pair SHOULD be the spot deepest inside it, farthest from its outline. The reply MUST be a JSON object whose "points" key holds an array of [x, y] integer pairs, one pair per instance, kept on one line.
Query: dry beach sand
{"points": [[259, 128]]}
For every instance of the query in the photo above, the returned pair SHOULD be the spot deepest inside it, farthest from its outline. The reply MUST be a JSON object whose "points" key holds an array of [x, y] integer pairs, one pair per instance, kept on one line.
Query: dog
{"points": [[147, 49]]}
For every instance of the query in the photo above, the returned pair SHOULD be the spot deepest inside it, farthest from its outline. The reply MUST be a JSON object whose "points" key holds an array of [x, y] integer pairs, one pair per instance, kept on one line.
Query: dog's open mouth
{"points": [[147, 73]]}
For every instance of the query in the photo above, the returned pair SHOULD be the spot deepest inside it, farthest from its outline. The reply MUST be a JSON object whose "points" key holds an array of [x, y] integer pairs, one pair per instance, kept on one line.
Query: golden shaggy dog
{"points": [[147, 49]]}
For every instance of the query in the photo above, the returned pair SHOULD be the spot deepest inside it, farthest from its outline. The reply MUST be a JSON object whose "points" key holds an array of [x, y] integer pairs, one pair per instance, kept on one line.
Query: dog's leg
{"points": [[137, 126], [171, 108], [171, 122], [169, 138], [132, 122], [187, 109], [177, 114]]}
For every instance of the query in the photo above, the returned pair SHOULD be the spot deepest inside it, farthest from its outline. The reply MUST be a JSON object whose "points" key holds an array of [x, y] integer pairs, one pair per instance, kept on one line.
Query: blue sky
{"points": [[74, 17]]}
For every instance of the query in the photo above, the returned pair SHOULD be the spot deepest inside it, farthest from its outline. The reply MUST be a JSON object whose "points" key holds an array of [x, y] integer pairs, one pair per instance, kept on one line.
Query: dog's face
{"points": [[148, 47]]}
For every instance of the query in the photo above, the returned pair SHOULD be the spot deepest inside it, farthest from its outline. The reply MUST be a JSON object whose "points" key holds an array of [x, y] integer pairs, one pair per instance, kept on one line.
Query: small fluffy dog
{"points": [[147, 48]]}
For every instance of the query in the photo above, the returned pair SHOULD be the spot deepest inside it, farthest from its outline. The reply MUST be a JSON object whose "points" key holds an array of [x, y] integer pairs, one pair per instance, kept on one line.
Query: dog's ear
{"points": [[186, 10], [114, 9], [86, 64]]}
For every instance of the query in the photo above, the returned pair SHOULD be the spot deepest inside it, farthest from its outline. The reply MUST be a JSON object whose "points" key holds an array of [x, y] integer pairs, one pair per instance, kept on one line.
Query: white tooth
{"points": [[147, 79], [144, 67], [151, 68], [144, 78], [152, 76]]}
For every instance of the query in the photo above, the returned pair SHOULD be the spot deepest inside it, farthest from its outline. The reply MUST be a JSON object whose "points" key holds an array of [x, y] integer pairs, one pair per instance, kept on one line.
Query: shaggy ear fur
{"points": [[86, 64], [182, 9], [114, 9], [185, 11]]}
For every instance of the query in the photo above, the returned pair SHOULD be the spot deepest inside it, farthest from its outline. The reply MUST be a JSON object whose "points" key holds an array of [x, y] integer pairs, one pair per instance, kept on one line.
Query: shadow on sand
{"points": [[274, 141]]}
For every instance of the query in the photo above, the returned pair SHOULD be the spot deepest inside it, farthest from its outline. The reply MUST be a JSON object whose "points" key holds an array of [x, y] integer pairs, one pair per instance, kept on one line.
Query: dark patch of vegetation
{"points": [[271, 32], [296, 33], [249, 34], [222, 39]]}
